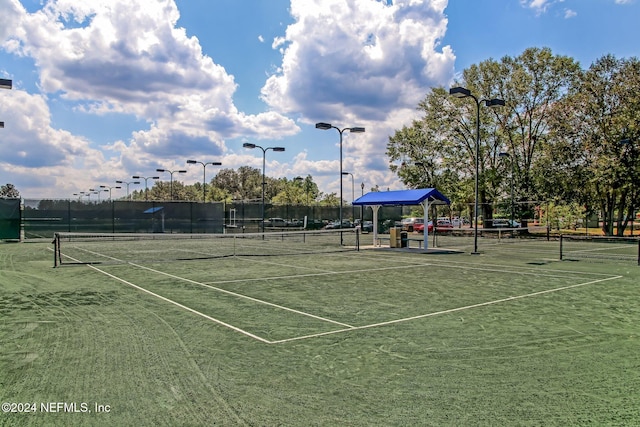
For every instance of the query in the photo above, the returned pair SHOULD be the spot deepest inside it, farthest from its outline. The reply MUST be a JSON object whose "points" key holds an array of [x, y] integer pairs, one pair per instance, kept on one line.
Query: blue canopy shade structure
{"points": [[402, 197], [421, 196]]}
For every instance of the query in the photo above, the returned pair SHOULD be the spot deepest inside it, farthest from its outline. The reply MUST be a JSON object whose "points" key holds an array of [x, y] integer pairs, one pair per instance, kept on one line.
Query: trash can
{"points": [[404, 239]]}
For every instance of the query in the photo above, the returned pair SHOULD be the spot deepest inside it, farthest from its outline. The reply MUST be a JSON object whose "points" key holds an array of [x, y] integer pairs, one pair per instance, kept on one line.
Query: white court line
{"points": [[500, 268], [348, 327], [453, 310], [184, 279], [184, 307], [604, 249]]}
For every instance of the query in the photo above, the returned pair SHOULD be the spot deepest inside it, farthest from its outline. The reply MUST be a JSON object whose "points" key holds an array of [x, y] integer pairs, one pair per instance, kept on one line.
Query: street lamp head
{"points": [[323, 126], [103, 186], [249, 145], [277, 148], [493, 103], [182, 171], [5, 83], [155, 177], [356, 130], [136, 177], [1, 125], [216, 163], [161, 170], [346, 173], [459, 92], [191, 162]]}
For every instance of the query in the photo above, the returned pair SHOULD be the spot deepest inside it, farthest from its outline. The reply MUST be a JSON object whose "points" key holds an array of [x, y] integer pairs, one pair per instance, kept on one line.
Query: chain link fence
{"points": [[42, 218]]}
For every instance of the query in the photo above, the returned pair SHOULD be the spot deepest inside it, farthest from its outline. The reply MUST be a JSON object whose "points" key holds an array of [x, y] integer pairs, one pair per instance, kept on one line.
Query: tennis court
{"points": [[199, 331], [275, 289]]}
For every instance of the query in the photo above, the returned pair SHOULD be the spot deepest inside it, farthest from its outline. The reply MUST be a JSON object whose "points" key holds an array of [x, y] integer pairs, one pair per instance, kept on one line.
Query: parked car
{"points": [[336, 224], [367, 226], [443, 225], [409, 224], [505, 223], [275, 222], [419, 228]]}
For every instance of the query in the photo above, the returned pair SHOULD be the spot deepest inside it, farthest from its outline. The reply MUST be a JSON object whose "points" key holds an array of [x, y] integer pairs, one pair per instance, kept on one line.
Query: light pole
{"points": [[98, 192], [264, 155], [107, 188], [5, 84], [127, 184], [325, 126], [146, 189], [362, 207], [204, 175], [461, 92], [171, 180], [353, 194], [511, 184]]}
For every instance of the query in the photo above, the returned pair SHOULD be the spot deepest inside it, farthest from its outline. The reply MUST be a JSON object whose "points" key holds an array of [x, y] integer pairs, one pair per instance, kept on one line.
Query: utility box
{"points": [[394, 237]]}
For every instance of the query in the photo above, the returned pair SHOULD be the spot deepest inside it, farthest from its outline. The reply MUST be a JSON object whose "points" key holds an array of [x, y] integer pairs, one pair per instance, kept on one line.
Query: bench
{"points": [[409, 240]]}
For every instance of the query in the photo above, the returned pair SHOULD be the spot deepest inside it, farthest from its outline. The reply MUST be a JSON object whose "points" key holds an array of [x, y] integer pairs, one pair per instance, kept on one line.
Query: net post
{"points": [[561, 247], [56, 249], [638, 251], [358, 242]]}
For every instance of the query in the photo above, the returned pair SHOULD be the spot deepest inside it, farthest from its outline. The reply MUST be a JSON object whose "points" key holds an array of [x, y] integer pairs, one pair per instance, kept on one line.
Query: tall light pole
{"points": [[204, 175], [5, 84], [325, 126], [264, 155], [362, 207], [461, 92], [171, 182], [353, 194], [98, 192], [127, 184], [107, 188], [511, 184], [146, 189]]}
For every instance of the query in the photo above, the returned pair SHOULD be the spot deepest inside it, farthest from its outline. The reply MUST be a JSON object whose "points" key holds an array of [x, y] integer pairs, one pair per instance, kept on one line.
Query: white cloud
{"points": [[568, 13], [384, 58], [129, 57], [363, 63]]}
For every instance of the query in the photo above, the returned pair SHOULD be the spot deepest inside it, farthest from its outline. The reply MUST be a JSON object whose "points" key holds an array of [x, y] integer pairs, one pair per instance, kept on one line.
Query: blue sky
{"points": [[107, 89]]}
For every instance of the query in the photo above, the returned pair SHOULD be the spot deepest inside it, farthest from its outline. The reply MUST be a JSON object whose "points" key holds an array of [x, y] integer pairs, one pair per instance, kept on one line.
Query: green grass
{"points": [[509, 337]]}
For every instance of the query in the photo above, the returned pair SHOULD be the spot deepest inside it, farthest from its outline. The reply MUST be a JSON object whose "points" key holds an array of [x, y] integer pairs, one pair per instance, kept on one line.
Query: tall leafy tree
{"points": [[9, 191], [595, 140], [440, 147]]}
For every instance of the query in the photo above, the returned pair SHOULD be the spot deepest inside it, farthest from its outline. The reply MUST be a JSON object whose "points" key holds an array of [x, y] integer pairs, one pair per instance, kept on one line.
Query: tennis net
{"points": [[113, 248], [600, 247]]}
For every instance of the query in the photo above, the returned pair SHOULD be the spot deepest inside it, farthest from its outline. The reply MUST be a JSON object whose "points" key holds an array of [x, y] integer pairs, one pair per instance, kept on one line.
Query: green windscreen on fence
{"points": [[9, 219]]}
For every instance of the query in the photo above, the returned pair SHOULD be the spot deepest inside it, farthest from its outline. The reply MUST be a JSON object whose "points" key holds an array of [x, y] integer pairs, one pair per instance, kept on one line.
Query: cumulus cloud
{"points": [[359, 63], [130, 57], [359, 57]]}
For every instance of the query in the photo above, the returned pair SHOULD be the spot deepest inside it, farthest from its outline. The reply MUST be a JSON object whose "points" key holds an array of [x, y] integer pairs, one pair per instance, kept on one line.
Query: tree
{"points": [[439, 150], [9, 191], [595, 148]]}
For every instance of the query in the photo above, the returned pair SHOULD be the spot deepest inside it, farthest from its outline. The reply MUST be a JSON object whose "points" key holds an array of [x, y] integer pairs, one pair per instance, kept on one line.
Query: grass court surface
{"points": [[377, 337]]}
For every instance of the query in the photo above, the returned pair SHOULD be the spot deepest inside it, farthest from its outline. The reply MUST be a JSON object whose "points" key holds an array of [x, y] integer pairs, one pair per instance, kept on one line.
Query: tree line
{"points": [[566, 137], [244, 183]]}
